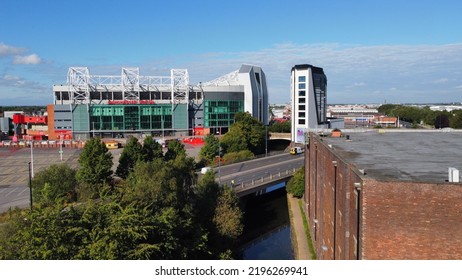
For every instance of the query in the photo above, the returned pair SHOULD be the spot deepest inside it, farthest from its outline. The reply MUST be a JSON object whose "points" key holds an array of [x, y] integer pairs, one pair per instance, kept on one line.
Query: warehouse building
{"points": [[117, 106], [385, 195]]}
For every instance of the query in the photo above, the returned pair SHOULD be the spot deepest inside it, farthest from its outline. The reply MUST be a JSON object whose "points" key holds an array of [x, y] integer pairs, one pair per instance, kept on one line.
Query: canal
{"points": [[267, 231]]}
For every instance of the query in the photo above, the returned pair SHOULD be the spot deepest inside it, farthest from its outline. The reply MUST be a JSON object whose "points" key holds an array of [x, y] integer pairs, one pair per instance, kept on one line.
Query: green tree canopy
{"points": [[151, 149], [95, 164], [247, 133], [131, 154], [55, 182], [209, 151], [283, 127], [175, 148], [456, 119], [159, 212]]}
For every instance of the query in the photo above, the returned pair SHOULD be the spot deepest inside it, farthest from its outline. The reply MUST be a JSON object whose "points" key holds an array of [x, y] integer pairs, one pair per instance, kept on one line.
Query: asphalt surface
{"points": [[254, 170], [14, 171]]}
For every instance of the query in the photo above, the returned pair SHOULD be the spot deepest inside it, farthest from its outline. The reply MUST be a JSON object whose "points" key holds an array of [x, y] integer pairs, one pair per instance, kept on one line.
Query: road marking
{"points": [[13, 190], [25, 189]]}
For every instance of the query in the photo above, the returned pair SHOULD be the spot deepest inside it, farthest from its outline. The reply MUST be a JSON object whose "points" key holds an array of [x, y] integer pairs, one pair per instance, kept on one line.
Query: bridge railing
{"points": [[266, 179]]}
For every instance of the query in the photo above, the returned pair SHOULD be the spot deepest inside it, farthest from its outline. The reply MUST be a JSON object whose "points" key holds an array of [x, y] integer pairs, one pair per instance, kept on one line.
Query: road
{"points": [[247, 171]]}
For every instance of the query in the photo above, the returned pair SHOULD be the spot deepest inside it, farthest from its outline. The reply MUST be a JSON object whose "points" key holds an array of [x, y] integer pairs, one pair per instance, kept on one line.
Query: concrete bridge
{"points": [[281, 136], [260, 185], [255, 176]]}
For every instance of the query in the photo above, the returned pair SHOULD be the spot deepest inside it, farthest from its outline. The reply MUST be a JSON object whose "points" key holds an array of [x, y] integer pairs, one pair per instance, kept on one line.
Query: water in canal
{"points": [[267, 228]]}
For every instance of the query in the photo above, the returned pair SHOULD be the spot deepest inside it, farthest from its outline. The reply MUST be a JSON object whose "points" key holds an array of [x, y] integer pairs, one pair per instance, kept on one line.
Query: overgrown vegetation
{"points": [[296, 184], [159, 211], [307, 231]]}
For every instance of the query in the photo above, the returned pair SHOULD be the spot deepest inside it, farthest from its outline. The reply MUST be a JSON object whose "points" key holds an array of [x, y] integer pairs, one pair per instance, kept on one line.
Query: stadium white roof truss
{"points": [[180, 85], [78, 80], [130, 83]]}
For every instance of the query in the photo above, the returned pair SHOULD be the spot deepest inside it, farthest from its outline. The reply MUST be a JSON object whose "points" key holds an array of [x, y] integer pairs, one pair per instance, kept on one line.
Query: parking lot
{"points": [[14, 171], [14, 168]]}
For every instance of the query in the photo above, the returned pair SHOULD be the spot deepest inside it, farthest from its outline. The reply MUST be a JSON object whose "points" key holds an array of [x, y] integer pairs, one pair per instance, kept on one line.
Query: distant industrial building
{"points": [[386, 194], [360, 116], [112, 106]]}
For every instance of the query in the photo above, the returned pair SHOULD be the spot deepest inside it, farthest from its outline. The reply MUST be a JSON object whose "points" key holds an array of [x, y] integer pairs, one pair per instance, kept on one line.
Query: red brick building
{"points": [[384, 196]]}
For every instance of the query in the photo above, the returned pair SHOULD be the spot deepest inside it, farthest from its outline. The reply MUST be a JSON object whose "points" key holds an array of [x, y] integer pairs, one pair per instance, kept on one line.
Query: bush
{"points": [[296, 185], [238, 156]]}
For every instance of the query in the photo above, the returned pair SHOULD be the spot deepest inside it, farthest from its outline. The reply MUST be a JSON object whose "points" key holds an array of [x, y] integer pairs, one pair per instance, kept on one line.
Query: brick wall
{"points": [[331, 198], [409, 220]]}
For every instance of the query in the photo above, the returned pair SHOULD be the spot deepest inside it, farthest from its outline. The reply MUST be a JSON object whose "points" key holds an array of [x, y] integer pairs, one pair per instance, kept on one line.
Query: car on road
{"points": [[205, 169], [296, 150]]}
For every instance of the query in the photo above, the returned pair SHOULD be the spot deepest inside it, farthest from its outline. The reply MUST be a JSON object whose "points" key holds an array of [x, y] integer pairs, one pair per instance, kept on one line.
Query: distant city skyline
{"points": [[371, 51]]}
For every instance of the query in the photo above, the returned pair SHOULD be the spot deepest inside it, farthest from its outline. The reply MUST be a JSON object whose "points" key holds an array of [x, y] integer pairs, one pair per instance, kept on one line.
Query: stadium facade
{"points": [[113, 106]]}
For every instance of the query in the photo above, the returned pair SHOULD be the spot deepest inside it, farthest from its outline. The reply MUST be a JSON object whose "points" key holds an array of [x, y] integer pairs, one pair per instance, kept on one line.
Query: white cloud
{"points": [[6, 50], [27, 59], [441, 81], [10, 78], [356, 84]]}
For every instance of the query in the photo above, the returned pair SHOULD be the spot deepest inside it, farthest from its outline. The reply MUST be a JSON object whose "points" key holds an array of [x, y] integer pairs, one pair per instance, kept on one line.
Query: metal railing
{"points": [[264, 180]]}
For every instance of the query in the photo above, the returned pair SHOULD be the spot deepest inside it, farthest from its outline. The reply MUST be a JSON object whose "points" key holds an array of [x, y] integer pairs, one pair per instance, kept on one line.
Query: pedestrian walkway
{"points": [[299, 241]]}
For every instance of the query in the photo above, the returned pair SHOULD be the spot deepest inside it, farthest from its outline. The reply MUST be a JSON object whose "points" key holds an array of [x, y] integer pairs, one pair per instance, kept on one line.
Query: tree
{"points": [[247, 133], [132, 153], [95, 164], [175, 148], [296, 184], [209, 151], [228, 215], [55, 182], [442, 120], [456, 119], [151, 149], [283, 127]]}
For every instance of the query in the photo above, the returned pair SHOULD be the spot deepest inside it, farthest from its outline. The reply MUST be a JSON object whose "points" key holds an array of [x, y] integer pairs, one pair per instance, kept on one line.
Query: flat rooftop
{"points": [[402, 155]]}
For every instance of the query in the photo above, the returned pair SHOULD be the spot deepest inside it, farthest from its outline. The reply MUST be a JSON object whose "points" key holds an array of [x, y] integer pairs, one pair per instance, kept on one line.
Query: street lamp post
{"points": [[30, 185], [31, 156], [266, 140], [219, 156]]}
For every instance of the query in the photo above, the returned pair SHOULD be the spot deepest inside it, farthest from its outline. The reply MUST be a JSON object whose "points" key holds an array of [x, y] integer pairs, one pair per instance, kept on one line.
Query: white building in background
{"points": [[309, 104]]}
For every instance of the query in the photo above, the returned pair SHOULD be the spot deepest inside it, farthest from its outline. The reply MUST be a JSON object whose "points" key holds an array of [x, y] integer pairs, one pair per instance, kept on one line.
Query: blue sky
{"points": [[371, 51]]}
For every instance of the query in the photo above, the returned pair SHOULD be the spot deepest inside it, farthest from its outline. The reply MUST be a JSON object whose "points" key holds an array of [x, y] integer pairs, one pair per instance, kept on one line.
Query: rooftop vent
{"points": [[453, 175]]}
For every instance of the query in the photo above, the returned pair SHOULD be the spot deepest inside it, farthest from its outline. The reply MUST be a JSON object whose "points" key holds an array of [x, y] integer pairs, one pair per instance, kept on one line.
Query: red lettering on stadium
{"points": [[130, 102]]}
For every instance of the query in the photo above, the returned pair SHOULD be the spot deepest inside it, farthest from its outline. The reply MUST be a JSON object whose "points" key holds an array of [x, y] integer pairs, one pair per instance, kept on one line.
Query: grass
{"points": [[307, 231]]}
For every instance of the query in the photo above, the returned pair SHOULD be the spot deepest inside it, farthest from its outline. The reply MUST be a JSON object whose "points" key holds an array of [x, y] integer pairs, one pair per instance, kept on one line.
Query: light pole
{"points": [[219, 156], [61, 147], [266, 140], [31, 154], [30, 185]]}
